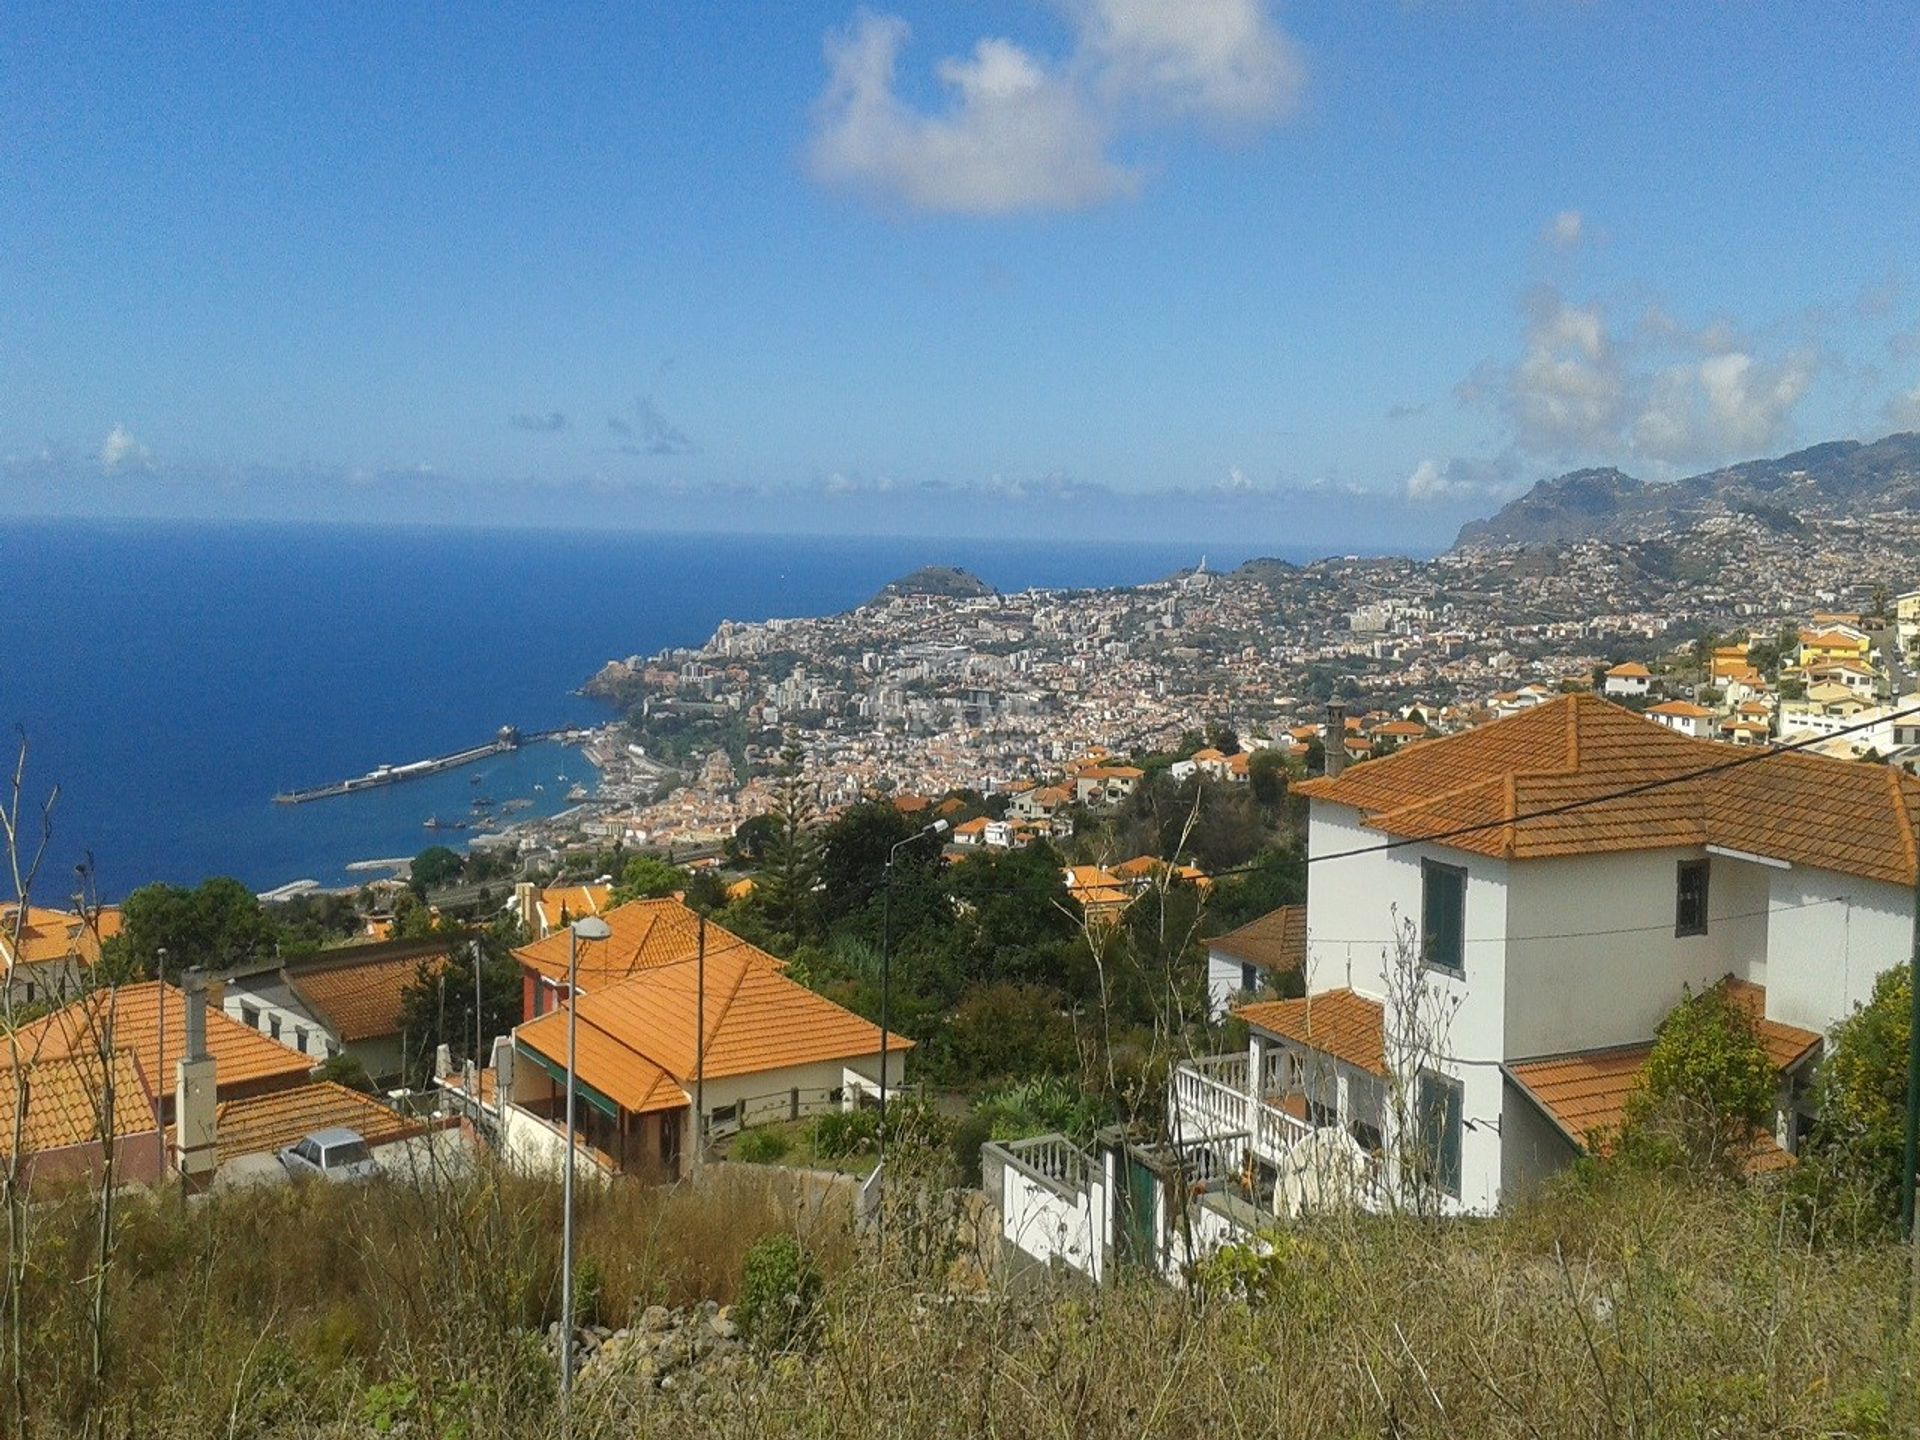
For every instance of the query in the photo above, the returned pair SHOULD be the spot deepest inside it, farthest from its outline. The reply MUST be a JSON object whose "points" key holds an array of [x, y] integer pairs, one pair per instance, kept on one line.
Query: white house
{"points": [[1252, 958], [348, 999], [1628, 680], [1489, 966], [1684, 718]]}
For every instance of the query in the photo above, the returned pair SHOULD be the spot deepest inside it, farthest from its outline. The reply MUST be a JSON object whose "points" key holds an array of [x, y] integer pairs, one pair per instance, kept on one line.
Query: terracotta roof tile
{"points": [[1276, 941], [636, 1040], [241, 1056], [646, 933], [1339, 1023], [360, 998], [1806, 809], [66, 1100], [264, 1124]]}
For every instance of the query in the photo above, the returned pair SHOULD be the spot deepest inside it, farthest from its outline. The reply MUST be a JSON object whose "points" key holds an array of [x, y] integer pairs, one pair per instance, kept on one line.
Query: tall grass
{"points": [[1628, 1307]]}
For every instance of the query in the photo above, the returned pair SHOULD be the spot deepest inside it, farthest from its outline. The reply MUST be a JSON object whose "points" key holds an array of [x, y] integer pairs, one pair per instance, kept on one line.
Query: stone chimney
{"points": [[1335, 744], [195, 1098]]}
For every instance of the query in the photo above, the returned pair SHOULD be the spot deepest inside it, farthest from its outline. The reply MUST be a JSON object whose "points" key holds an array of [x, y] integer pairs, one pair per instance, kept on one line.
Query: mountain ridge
{"points": [[1830, 479]]}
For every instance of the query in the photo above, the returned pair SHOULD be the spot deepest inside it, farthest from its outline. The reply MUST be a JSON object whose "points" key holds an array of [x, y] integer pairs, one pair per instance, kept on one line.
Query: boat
{"points": [[482, 802], [434, 822], [577, 793]]}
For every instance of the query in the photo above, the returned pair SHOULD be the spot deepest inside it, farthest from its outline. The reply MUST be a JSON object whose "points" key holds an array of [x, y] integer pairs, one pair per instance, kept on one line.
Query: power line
{"points": [[1592, 934]]}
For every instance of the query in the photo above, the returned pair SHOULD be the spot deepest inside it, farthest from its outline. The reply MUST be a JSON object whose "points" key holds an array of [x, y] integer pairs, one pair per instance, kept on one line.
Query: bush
{"points": [[840, 1133], [762, 1147], [779, 1294], [1706, 1092]]}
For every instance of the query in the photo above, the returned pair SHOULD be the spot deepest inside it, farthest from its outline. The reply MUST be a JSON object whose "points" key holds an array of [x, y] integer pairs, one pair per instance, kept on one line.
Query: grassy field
{"points": [[1615, 1308]]}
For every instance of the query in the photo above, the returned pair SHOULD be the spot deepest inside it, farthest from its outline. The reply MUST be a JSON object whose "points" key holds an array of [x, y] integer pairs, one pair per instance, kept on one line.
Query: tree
{"points": [[1861, 1095], [213, 926], [647, 878], [436, 1006], [1267, 776], [785, 893], [753, 840], [1706, 1091], [433, 868]]}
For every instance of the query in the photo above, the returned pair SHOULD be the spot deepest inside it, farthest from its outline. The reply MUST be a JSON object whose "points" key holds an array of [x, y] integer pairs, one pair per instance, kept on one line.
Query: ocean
{"points": [[171, 678]]}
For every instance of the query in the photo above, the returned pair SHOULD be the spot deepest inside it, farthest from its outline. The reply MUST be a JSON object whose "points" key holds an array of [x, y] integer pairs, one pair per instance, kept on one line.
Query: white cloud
{"points": [[1903, 410], [1728, 404], [1666, 394], [120, 451], [1462, 482], [1218, 59], [1566, 230], [1018, 131]]}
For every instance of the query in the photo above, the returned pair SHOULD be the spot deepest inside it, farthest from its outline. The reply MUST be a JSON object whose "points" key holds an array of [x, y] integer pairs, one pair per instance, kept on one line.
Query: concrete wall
{"points": [[766, 1095], [1358, 904], [1592, 959], [274, 1001], [1052, 1222], [1829, 936], [1532, 1147]]}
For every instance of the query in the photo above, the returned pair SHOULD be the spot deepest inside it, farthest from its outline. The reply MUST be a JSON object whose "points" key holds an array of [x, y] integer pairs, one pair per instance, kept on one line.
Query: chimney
{"points": [[1335, 744], [195, 1098]]}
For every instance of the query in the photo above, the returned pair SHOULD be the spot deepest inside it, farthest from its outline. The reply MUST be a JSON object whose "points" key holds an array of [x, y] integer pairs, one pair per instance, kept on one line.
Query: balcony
{"points": [[1213, 1104]]}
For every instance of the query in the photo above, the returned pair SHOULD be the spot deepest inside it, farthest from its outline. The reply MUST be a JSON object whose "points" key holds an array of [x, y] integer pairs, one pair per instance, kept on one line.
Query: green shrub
{"points": [[1706, 1091], [762, 1147], [779, 1294], [840, 1133]]}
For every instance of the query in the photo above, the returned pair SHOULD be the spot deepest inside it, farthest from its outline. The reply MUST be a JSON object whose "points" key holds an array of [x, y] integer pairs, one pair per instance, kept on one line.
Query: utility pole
{"points": [[1910, 1154], [700, 1045], [479, 1026]]}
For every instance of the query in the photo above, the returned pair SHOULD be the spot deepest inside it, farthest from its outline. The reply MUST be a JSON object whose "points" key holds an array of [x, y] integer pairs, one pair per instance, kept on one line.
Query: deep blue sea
{"points": [[171, 678]]}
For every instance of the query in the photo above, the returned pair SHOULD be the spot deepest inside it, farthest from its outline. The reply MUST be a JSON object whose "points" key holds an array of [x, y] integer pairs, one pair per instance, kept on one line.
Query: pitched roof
{"points": [[1275, 941], [637, 1043], [66, 1100], [1349, 1027], [573, 901], [1685, 709], [263, 1124], [55, 935], [646, 933], [1786, 1045], [1586, 1096], [1630, 670], [359, 997], [1805, 809], [241, 1056]]}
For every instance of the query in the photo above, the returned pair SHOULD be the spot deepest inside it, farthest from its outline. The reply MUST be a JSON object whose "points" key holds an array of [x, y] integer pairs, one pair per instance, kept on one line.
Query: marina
{"points": [[507, 739]]}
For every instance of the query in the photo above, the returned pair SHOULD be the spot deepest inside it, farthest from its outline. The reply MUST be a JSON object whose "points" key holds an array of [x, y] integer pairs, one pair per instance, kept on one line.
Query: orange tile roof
{"points": [[360, 998], [55, 935], [1586, 1096], [1805, 809], [646, 933], [1276, 941], [1684, 708], [1349, 1027], [1786, 1045], [66, 1100], [1631, 670], [241, 1056], [263, 1124], [573, 901], [636, 1041]]}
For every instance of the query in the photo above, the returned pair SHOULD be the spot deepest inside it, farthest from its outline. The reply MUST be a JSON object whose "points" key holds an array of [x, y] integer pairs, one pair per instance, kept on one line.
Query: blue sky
{"points": [[1332, 274]]}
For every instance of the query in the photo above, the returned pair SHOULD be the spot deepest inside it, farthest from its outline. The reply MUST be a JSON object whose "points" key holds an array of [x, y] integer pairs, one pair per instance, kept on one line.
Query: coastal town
{"points": [[940, 685]]}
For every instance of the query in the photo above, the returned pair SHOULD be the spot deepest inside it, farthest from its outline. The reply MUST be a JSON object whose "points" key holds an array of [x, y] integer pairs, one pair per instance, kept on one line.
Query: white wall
{"points": [[271, 1004], [1592, 959], [765, 1096], [1038, 1220], [1829, 936], [1354, 906]]}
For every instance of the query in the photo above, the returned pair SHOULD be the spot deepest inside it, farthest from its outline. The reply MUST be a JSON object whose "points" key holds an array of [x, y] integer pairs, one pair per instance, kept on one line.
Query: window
{"points": [[250, 1017], [273, 1026], [1690, 898], [1250, 979], [1443, 916], [1438, 1114], [300, 1038]]}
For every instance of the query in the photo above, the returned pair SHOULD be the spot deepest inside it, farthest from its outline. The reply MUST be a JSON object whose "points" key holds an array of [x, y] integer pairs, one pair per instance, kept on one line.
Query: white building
{"points": [[1628, 680], [1683, 717], [1495, 975]]}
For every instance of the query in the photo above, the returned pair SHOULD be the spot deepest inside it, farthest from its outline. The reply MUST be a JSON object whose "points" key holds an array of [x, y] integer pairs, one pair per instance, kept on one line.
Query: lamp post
{"points": [[938, 827], [591, 928]]}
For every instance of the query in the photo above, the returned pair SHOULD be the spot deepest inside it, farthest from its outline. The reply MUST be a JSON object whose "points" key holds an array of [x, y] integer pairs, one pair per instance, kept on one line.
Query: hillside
{"points": [[1839, 478], [947, 581]]}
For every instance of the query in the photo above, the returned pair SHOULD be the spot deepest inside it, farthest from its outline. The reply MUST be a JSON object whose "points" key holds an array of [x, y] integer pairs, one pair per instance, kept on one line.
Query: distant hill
{"points": [[944, 580], [1841, 477]]}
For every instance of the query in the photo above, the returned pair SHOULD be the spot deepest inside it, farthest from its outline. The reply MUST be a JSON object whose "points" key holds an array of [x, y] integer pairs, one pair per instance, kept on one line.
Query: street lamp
{"points": [[591, 928], [938, 827]]}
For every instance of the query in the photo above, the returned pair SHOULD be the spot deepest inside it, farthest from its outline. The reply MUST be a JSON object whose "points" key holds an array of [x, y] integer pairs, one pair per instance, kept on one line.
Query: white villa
{"points": [[1490, 948]]}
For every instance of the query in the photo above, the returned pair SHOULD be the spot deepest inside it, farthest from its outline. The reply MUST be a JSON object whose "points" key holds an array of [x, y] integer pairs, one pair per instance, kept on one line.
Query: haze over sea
{"points": [[171, 677]]}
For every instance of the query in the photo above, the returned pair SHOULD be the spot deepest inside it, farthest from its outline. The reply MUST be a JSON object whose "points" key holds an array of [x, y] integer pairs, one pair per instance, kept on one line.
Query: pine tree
{"points": [[792, 873]]}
